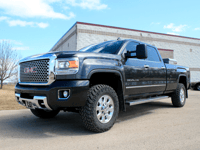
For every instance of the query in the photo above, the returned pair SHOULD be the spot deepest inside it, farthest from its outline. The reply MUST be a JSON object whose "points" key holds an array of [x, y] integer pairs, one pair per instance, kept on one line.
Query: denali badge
{"points": [[30, 70], [130, 80]]}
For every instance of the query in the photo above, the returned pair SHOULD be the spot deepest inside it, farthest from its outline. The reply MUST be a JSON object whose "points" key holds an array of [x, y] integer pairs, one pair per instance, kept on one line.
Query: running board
{"points": [[140, 101]]}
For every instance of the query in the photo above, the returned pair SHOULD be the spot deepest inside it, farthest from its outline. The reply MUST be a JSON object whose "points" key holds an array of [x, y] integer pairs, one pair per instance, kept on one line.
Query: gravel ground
{"points": [[156, 125]]}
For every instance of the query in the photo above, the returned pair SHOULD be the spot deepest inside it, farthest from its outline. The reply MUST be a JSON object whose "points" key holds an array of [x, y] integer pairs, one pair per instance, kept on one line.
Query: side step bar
{"points": [[140, 101]]}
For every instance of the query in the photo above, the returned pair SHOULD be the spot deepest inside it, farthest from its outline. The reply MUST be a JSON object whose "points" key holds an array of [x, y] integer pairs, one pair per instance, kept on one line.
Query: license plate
{"points": [[28, 104]]}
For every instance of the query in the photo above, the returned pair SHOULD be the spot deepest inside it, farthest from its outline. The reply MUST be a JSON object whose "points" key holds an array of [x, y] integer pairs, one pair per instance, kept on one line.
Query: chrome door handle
{"points": [[146, 66]]}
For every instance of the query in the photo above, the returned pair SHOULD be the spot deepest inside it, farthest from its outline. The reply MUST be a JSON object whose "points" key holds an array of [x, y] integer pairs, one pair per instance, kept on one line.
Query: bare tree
{"points": [[8, 61]]}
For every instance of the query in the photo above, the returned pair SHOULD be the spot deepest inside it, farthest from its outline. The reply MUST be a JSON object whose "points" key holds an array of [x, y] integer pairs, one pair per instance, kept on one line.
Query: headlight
{"points": [[67, 66]]}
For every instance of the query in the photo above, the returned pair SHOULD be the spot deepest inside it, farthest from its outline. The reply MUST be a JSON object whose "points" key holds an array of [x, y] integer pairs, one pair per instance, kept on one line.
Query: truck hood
{"points": [[182, 67], [68, 54]]}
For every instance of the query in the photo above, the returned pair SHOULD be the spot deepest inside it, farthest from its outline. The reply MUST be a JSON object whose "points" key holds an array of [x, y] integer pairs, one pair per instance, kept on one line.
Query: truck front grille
{"points": [[36, 71]]}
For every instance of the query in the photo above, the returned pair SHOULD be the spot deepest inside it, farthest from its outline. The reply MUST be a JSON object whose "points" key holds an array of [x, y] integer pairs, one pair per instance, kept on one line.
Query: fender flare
{"points": [[107, 71], [183, 75], [111, 71]]}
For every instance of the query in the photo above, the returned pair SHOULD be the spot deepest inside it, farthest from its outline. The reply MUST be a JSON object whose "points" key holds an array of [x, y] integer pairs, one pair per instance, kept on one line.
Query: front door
{"points": [[136, 74]]}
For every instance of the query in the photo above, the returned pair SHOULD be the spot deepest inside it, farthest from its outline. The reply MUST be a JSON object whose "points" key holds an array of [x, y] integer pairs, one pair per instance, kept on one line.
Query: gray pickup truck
{"points": [[98, 81]]}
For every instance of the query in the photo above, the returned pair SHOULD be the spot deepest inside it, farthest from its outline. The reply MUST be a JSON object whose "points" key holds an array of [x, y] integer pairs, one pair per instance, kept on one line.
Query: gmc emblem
{"points": [[30, 70]]}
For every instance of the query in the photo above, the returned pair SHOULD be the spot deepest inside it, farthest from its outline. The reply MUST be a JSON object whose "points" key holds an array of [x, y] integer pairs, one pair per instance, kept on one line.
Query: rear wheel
{"points": [[44, 114], [179, 96], [101, 109], [198, 87]]}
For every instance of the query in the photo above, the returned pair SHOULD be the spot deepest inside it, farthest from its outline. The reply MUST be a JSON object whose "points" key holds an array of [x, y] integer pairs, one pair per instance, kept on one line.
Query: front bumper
{"points": [[39, 102], [47, 97]]}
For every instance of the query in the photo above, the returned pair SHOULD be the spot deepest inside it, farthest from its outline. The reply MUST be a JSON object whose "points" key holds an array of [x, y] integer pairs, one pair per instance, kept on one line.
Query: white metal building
{"points": [[185, 50]]}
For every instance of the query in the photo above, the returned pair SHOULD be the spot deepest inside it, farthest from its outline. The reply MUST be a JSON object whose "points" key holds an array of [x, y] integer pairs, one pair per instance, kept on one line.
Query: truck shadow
{"points": [[23, 124], [141, 110]]}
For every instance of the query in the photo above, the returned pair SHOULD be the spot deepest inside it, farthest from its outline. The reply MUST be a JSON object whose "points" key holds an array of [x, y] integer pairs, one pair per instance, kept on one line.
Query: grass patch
{"points": [[7, 98]]}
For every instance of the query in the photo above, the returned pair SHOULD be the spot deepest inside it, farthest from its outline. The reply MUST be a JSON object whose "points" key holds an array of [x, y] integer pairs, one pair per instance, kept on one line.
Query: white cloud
{"points": [[21, 48], [20, 23], [16, 42], [42, 25], [172, 33], [169, 26], [174, 28], [24, 23], [66, 7], [16, 45], [71, 15], [2, 18], [44, 8], [87, 4], [197, 29], [31, 8], [155, 23], [179, 28], [12, 41]]}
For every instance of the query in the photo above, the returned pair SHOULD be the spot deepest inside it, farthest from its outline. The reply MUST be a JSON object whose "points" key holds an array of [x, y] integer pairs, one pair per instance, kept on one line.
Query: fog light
{"points": [[65, 94]]}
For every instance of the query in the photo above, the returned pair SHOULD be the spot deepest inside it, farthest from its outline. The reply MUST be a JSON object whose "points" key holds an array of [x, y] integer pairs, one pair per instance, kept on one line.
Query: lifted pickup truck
{"points": [[99, 81]]}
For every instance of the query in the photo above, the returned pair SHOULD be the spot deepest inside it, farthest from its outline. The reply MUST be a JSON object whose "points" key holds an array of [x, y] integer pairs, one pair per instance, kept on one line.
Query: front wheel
{"points": [[179, 96], [101, 109], [44, 114]]}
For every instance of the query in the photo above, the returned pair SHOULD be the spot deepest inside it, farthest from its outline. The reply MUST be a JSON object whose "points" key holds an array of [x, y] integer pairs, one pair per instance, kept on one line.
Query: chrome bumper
{"points": [[38, 102]]}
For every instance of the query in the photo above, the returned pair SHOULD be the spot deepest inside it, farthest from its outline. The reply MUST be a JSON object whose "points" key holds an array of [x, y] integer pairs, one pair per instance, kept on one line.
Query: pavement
{"points": [[153, 126]]}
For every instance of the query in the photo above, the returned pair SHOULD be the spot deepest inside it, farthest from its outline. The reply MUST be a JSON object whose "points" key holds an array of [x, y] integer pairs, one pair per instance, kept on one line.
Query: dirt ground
{"points": [[7, 99]]}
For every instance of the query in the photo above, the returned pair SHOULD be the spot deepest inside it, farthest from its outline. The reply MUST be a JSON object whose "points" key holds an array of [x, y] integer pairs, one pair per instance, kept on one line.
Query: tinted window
{"points": [[131, 47], [152, 54], [109, 47]]}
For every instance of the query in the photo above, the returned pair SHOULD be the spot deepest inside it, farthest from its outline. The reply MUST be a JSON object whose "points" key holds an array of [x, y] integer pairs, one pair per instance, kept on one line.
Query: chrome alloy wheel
{"points": [[105, 109], [182, 95]]}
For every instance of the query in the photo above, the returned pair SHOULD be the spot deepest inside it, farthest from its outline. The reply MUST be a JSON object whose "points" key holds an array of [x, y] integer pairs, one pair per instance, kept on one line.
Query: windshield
{"points": [[109, 47]]}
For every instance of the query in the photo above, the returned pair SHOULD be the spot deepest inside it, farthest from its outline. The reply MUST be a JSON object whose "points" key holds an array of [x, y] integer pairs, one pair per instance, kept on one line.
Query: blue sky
{"points": [[34, 26]]}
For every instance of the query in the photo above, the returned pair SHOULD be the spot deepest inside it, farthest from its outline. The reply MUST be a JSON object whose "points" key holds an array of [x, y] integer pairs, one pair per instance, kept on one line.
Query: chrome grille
{"points": [[40, 74]]}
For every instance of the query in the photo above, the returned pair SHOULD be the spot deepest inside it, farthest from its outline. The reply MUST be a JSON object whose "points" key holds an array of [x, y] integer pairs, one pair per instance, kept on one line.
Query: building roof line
{"points": [[63, 36], [106, 26], [161, 49]]}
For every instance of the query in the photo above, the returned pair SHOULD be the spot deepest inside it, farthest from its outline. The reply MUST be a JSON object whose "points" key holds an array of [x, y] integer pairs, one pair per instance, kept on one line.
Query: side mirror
{"points": [[141, 51], [128, 54]]}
